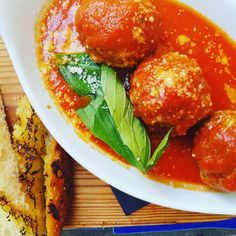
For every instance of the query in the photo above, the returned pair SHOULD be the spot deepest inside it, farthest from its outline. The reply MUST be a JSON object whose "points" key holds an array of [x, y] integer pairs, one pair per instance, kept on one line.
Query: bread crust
{"points": [[56, 172]]}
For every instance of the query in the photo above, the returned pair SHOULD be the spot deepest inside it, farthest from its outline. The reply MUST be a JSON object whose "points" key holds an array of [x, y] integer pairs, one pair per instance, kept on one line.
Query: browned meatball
{"points": [[119, 33], [215, 151], [170, 91]]}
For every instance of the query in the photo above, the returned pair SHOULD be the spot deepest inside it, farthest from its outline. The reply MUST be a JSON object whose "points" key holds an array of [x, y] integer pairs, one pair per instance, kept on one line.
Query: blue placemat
{"points": [[226, 224], [130, 205]]}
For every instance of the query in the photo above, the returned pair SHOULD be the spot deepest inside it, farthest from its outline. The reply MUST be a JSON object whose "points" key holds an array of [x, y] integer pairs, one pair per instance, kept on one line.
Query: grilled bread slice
{"points": [[29, 146], [56, 171], [43, 167], [23, 188], [9, 174], [14, 220]]}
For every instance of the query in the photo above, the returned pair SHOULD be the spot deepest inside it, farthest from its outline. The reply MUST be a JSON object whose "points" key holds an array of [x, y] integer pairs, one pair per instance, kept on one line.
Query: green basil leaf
{"points": [[87, 114], [98, 119], [109, 116], [131, 129], [80, 72], [159, 151]]}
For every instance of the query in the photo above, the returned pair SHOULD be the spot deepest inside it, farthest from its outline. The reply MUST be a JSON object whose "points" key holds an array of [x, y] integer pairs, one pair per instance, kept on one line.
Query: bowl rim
{"points": [[40, 103]]}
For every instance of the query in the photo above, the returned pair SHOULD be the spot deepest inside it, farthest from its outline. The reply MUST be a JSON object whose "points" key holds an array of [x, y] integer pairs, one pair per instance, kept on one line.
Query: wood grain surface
{"points": [[92, 201]]}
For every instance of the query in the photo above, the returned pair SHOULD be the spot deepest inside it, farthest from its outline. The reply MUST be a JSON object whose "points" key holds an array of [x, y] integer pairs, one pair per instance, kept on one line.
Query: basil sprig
{"points": [[109, 115]]}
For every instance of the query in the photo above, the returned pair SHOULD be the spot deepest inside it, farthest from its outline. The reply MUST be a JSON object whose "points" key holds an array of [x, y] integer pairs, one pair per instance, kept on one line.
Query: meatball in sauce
{"points": [[215, 151], [170, 91], [119, 33]]}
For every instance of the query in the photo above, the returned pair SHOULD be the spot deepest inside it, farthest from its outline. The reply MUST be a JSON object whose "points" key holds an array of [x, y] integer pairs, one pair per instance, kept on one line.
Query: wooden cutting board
{"points": [[92, 203]]}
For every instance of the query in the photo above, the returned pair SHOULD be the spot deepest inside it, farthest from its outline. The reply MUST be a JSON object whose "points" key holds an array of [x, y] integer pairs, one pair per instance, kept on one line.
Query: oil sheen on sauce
{"points": [[197, 37]]}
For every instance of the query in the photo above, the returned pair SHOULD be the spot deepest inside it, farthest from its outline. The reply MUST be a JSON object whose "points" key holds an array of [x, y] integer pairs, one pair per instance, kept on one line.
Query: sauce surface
{"points": [[184, 30]]}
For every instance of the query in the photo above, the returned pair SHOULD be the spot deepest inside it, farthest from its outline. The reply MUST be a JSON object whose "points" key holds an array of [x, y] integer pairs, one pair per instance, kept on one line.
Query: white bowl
{"points": [[17, 29]]}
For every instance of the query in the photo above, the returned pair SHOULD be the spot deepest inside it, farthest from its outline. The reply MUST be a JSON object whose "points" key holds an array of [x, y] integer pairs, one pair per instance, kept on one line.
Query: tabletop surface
{"points": [[92, 202]]}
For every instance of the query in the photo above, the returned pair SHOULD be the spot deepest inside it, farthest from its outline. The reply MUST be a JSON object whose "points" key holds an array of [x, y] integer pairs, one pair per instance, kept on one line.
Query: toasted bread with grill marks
{"points": [[34, 176], [29, 145], [56, 171]]}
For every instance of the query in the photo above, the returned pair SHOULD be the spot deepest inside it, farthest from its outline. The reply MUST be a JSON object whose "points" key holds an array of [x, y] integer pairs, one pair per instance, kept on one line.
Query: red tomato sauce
{"points": [[184, 30]]}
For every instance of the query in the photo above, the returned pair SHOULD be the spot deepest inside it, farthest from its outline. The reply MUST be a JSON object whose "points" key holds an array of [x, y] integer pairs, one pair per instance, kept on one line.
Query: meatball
{"points": [[170, 91], [215, 151], [119, 33]]}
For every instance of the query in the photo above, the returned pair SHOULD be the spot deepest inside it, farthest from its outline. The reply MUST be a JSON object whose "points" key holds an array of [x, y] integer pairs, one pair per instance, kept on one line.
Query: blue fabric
{"points": [[226, 224], [128, 203]]}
